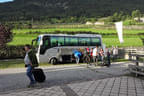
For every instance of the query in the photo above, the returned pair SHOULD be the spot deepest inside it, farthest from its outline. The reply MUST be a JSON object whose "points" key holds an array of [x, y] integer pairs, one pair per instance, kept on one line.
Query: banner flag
{"points": [[119, 28]]}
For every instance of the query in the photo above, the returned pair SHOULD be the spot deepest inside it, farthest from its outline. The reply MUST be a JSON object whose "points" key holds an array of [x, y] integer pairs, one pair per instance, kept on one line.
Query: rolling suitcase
{"points": [[39, 75]]}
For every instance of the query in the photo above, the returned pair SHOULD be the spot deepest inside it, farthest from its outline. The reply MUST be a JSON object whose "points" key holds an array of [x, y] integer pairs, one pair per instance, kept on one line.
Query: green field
{"points": [[15, 63], [22, 39], [131, 37], [94, 30], [19, 63]]}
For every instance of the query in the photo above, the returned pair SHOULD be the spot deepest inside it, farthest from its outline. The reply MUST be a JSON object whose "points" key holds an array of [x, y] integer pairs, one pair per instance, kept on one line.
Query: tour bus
{"points": [[54, 48]]}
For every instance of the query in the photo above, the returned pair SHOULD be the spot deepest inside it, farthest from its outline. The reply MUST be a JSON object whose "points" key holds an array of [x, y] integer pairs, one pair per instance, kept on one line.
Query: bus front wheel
{"points": [[53, 61]]}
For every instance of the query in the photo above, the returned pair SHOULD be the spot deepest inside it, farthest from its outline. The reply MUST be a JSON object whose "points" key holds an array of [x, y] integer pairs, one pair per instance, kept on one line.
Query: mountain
{"points": [[42, 9]]}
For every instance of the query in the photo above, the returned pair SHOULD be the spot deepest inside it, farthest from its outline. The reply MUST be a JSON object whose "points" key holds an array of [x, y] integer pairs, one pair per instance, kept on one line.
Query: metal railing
{"points": [[137, 59]]}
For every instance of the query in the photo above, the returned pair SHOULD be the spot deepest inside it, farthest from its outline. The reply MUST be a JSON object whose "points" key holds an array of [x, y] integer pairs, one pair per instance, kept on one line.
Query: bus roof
{"points": [[76, 35]]}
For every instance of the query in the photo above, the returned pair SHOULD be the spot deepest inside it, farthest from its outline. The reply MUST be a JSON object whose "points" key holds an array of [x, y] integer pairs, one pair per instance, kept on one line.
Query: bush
{"points": [[12, 52], [129, 22], [5, 35]]}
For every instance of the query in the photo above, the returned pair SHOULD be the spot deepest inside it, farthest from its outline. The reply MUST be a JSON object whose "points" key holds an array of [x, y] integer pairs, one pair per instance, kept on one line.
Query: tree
{"points": [[5, 35], [115, 17], [136, 13]]}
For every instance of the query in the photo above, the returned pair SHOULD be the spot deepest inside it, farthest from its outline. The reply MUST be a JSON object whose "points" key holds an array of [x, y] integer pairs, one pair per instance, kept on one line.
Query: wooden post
{"points": [[137, 60], [130, 56]]}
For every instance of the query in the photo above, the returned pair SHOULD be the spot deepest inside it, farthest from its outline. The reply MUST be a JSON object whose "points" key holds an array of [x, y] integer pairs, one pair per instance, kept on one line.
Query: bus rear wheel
{"points": [[53, 61]]}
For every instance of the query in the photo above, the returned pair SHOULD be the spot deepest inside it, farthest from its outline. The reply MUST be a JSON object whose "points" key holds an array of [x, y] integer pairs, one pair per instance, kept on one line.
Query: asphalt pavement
{"points": [[66, 80]]}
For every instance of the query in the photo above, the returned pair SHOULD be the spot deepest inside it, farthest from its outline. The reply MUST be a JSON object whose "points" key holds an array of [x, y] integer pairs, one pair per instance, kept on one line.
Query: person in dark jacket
{"points": [[86, 56], [108, 57], [29, 66]]}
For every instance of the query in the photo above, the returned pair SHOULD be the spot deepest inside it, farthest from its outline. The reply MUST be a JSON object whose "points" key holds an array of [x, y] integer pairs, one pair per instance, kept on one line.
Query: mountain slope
{"points": [[26, 9]]}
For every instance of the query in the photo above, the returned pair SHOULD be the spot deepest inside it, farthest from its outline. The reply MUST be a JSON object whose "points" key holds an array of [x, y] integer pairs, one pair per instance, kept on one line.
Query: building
{"points": [[141, 19], [89, 23], [99, 23]]}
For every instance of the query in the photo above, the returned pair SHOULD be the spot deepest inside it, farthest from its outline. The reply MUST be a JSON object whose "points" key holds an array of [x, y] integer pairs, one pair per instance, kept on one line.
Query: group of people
{"points": [[93, 55]]}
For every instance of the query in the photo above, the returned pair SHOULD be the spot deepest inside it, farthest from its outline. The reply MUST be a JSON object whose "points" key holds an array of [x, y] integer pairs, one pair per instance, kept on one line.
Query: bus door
{"points": [[45, 45]]}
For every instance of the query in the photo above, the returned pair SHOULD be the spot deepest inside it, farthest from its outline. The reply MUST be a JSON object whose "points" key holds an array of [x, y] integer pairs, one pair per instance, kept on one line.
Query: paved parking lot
{"points": [[116, 86], [76, 81]]}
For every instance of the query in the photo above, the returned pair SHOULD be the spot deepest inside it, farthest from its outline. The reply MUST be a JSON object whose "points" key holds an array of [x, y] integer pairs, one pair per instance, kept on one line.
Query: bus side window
{"points": [[60, 41], [95, 41], [57, 41], [47, 43], [53, 41], [71, 41], [84, 41]]}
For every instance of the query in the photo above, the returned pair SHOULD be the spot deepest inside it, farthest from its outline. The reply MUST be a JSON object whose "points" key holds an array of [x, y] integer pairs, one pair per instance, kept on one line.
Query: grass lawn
{"points": [[15, 63], [109, 40], [99, 31], [127, 42], [19, 63], [11, 64], [131, 37], [22, 39]]}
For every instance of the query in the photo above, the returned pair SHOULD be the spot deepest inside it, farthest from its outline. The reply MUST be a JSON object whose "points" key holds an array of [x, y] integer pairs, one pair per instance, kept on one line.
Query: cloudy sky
{"points": [[5, 1]]}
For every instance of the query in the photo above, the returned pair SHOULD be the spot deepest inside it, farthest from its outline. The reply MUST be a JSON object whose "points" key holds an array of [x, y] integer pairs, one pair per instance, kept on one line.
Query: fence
{"points": [[125, 52], [137, 59]]}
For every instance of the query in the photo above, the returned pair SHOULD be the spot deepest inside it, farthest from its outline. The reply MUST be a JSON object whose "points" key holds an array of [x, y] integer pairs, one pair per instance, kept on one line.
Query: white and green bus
{"points": [[54, 48]]}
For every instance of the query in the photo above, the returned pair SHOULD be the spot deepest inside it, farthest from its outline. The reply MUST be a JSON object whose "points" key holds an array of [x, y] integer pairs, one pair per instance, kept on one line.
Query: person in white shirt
{"points": [[95, 56], [115, 53], [101, 53]]}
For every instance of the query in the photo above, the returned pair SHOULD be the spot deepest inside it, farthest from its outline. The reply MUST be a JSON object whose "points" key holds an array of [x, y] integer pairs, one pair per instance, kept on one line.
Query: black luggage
{"points": [[106, 62], [39, 75]]}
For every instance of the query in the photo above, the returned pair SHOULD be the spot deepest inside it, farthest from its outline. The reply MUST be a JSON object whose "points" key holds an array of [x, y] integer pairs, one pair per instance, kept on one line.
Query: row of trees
{"points": [[121, 16], [117, 16], [30, 23]]}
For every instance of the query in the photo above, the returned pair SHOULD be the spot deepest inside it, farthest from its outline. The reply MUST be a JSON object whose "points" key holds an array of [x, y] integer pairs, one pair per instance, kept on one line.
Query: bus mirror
{"points": [[33, 41]]}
